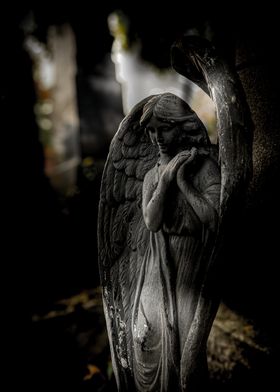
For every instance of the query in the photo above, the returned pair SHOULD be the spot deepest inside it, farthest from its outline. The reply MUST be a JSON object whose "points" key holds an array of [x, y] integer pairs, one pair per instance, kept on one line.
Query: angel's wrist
{"points": [[164, 181]]}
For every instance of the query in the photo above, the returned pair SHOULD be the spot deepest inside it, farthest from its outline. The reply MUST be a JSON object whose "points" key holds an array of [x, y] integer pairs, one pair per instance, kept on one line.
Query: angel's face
{"points": [[164, 134]]}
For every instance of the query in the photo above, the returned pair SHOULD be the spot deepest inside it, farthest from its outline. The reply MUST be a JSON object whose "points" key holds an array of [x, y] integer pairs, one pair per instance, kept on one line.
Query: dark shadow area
{"points": [[59, 234]]}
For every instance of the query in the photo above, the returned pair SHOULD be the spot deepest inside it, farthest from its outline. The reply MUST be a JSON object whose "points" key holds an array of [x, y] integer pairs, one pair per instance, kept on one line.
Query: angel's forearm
{"points": [[153, 211]]}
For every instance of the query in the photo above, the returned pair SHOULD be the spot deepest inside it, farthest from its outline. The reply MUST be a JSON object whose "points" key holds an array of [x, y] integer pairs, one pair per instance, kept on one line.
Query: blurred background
{"points": [[71, 73]]}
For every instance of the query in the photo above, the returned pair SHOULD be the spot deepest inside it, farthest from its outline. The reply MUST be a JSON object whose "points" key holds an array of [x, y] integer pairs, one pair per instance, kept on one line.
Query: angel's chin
{"points": [[163, 149]]}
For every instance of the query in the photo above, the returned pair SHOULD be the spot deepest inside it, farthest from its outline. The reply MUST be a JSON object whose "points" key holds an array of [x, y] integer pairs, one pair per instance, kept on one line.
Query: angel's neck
{"points": [[164, 159]]}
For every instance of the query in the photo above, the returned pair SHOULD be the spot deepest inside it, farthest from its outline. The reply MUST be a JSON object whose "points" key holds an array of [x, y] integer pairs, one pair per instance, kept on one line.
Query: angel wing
{"points": [[122, 234], [196, 59]]}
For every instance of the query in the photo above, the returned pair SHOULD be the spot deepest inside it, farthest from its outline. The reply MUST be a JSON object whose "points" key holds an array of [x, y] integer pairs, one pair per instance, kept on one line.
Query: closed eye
{"points": [[193, 132]]}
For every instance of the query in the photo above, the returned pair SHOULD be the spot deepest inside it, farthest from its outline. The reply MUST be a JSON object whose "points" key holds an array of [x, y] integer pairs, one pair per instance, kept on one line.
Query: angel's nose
{"points": [[159, 135]]}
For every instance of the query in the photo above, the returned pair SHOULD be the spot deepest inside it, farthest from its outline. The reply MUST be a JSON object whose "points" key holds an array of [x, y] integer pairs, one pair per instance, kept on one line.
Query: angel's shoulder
{"points": [[151, 174], [208, 173], [210, 166], [150, 179]]}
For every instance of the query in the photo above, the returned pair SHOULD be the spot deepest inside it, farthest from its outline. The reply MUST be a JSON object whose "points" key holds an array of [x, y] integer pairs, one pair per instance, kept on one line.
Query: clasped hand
{"points": [[178, 163]]}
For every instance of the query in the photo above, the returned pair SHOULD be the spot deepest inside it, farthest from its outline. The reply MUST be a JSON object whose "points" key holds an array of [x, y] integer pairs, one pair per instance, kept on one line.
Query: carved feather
{"points": [[122, 235], [198, 60]]}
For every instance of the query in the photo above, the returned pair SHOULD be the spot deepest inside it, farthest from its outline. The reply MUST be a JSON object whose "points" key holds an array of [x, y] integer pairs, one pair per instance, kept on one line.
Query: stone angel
{"points": [[159, 226]]}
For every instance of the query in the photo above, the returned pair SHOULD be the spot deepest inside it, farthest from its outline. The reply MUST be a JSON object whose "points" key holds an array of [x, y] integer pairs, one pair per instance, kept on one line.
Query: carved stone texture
{"points": [[157, 224], [160, 218]]}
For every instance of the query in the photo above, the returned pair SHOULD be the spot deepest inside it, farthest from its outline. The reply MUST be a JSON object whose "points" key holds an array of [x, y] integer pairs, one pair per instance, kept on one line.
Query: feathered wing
{"points": [[196, 59], [123, 236]]}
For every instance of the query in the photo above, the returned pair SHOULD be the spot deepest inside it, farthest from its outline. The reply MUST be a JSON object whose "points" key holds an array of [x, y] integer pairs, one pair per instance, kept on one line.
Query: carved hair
{"points": [[171, 109]]}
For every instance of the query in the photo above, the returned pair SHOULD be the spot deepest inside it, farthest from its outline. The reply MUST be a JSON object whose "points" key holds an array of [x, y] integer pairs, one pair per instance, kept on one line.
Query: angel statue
{"points": [[159, 224]]}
